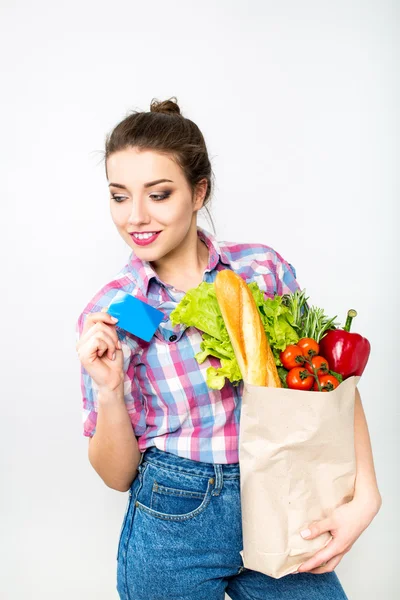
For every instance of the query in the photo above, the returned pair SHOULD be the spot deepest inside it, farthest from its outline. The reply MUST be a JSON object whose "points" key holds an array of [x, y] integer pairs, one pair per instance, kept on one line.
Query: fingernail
{"points": [[305, 533], [113, 356], [114, 319], [119, 345]]}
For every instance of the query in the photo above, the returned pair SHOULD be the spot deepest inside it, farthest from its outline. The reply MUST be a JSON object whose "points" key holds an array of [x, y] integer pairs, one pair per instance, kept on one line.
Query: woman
{"points": [[155, 428]]}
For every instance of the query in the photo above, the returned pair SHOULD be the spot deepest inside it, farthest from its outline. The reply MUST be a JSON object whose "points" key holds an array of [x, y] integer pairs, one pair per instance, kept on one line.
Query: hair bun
{"points": [[166, 106]]}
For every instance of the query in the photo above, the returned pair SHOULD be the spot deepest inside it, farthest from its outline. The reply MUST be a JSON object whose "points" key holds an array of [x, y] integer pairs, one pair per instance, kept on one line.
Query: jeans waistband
{"points": [[161, 458]]}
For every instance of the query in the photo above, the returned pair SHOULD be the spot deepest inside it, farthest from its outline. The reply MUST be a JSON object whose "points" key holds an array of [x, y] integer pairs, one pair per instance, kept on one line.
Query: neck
{"points": [[188, 260]]}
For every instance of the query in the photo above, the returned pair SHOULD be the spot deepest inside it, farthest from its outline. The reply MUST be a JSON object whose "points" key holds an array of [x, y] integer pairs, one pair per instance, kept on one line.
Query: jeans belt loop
{"points": [[219, 480]]}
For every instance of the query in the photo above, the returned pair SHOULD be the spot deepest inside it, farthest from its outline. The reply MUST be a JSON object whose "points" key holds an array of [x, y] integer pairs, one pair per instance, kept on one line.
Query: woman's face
{"points": [[140, 205]]}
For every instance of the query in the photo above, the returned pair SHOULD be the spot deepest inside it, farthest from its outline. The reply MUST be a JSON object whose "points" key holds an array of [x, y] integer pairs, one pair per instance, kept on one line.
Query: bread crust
{"points": [[245, 329]]}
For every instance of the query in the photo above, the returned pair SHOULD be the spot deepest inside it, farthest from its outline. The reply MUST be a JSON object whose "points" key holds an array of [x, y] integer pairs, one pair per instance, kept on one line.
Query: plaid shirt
{"points": [[166, 395]]}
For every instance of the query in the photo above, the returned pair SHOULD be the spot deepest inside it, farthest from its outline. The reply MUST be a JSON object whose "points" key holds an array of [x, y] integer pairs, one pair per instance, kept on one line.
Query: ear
{"points": [[199, 194]]}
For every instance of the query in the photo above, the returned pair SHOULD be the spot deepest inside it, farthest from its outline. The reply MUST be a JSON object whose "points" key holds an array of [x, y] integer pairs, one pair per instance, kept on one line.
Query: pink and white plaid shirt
{"points": [[166, 395]]}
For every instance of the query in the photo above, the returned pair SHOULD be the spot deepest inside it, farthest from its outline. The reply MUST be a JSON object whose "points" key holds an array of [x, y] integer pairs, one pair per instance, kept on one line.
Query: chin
{"points": [[147, 254]]}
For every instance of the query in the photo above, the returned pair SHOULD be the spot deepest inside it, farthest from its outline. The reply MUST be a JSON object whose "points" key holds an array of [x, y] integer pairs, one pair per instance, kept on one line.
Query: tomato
{"points": [[299, 378], [318, 362], [289, 355], [328, 383], [307, 345]]}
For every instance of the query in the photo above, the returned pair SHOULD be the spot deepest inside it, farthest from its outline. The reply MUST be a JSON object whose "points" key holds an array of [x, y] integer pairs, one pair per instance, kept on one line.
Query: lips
{"points": [[147, 241]]}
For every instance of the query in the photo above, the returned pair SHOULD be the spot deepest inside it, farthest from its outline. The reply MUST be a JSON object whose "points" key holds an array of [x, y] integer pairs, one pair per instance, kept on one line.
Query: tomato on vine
{"points": [[299, 378], [292, 357], [328, 383], [320, 364], [308, 346]]}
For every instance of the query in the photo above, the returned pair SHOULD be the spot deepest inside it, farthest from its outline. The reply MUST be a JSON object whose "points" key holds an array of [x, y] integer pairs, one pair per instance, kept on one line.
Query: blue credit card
{"points": [[135, 316]]}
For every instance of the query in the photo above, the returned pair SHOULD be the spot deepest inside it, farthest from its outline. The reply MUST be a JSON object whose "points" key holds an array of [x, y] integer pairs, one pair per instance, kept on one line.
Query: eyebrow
{"points": [[146, 185]]}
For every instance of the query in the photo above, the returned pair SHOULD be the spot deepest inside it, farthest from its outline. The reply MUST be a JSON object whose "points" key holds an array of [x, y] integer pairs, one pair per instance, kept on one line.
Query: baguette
{"points": [[245, 329]]}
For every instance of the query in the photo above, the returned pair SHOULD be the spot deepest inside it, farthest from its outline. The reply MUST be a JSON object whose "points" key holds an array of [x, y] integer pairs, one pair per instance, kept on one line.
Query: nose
{"points": [[138, 213]]}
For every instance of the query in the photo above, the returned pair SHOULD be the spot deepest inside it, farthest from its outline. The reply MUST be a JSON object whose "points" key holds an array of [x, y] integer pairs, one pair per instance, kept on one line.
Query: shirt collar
{"points": [[144, 272]]}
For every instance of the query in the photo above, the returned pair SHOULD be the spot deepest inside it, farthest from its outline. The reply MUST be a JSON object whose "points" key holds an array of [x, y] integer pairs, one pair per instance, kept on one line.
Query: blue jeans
{"points": [[181, 537]]}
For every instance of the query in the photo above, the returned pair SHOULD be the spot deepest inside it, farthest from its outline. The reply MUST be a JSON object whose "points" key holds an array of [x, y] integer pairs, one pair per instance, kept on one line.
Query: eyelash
{"points": [[159, 199]]}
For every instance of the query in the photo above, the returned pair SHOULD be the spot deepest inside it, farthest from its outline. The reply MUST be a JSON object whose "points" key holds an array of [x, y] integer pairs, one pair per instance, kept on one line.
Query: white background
{"points": [[298, 102]]}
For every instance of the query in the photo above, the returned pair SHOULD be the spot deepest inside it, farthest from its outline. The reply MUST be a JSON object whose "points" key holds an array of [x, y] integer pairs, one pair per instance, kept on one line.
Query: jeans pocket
{"points": [[173, 495]]}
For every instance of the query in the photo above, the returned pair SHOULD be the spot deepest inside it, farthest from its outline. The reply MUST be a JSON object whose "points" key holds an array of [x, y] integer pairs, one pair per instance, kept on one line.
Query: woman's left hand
{"points": [[346, 524]]}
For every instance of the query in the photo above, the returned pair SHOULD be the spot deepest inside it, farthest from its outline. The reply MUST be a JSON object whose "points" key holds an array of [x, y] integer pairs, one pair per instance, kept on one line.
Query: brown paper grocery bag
{"points": [[297, 463]]}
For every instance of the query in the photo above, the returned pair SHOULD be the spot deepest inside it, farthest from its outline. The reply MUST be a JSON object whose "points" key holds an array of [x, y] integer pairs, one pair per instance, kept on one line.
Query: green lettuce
{"points": [[199, 308], [277, 320], [282, 376]]}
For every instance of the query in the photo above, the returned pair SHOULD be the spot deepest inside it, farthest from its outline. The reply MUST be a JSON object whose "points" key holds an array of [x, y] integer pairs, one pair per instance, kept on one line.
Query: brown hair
{"points": [[164, 129]]}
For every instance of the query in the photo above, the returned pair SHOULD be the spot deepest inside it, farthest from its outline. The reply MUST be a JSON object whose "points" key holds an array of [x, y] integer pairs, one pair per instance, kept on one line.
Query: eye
{"points": [[158, 197], [117, 198]]}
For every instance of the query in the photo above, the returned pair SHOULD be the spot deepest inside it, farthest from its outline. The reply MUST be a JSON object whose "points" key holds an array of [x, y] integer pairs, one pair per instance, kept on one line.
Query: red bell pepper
{"points": [[347, 353]]}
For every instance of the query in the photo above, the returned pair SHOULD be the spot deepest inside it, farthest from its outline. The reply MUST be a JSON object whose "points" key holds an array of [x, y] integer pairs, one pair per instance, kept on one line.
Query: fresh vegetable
{"points": [[320, 364], [288, 322], [307, 321], [292, 357], [304, 352], [276, 319], [199, 308], [347, 353], [318, 368], [337, 375], [282, 372], [317, 323], [300, 379], [308, 346], [296, 303], [327, 382]]}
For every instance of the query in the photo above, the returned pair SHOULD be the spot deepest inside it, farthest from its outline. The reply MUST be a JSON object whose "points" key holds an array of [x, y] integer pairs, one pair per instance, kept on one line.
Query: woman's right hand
{"points": [[96, 346]]}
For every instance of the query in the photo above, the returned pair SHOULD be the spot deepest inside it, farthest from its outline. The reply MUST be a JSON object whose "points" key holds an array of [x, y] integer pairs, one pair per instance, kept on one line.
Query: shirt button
{"points": [[172, 338]]}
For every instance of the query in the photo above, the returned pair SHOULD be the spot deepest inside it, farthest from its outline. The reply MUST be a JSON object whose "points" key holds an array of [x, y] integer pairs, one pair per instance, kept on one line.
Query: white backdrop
{"points": [[298, 102]]}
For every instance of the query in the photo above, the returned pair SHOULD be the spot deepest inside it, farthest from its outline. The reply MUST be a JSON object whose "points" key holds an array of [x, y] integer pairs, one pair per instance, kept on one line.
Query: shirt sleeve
{"points": [[286, 281], [132, 394]]}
